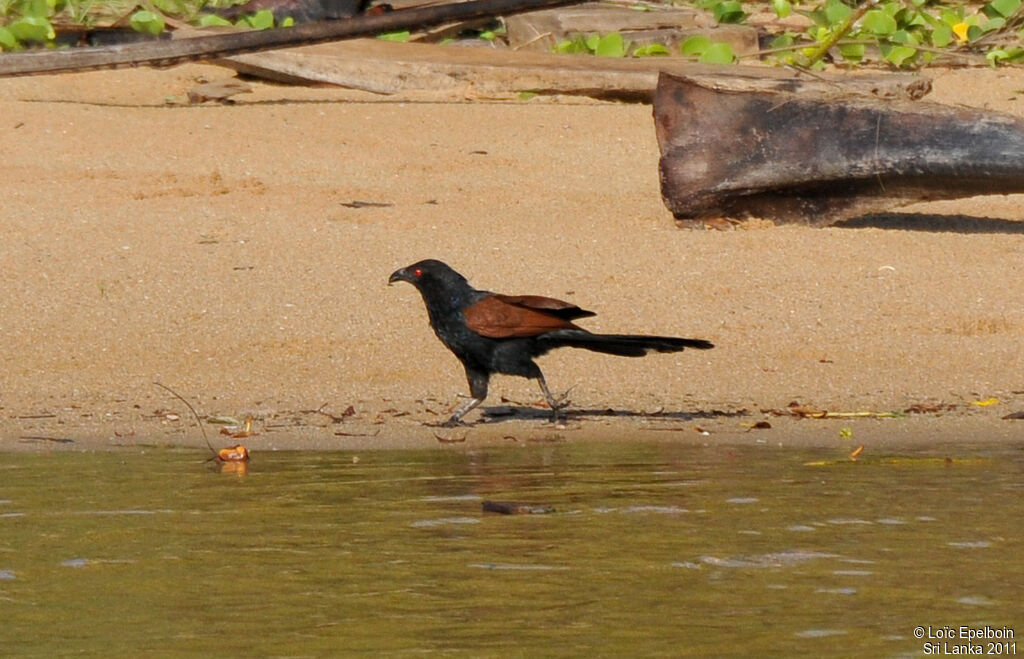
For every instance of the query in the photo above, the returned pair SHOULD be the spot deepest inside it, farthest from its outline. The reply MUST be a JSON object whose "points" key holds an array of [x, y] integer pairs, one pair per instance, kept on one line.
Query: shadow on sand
{"points": [[500, 413], [933, 223]]}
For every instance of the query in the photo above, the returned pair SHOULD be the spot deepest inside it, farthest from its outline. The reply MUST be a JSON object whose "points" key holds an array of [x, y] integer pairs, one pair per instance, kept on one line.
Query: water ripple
{"points": [[664, 510], [774, 559], [976, 600], [441, 521], [819, 633], [513, 566]]}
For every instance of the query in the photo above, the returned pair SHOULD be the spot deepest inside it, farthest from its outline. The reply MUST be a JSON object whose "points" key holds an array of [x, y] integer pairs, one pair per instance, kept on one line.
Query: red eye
{"points": [[417, 272]]}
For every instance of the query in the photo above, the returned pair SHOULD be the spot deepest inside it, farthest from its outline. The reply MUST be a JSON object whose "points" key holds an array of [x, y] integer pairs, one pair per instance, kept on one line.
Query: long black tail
{"points": [[624, 345]]}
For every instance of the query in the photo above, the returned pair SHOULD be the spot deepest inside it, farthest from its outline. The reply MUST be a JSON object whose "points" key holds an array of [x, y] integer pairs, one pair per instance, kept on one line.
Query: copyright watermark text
{"points": [[967, 640]]}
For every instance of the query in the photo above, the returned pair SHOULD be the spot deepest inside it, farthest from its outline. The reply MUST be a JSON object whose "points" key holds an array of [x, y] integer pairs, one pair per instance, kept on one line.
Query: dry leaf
{"points": [[236, 453]]}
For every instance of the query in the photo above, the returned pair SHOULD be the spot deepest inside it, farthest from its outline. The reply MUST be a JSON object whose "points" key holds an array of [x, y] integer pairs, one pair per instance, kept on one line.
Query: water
{"points": [[653, 549]]}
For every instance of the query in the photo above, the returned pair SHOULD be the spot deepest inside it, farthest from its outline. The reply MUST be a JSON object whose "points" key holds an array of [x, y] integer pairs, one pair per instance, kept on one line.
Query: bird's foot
{"points": [[453, 422], [560, 402], [558, 405]]}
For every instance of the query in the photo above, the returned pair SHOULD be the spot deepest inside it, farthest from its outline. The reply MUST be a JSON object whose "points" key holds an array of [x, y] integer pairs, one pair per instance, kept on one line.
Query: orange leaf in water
{"points": [[237, 468], [233, 454], [857, 451]]}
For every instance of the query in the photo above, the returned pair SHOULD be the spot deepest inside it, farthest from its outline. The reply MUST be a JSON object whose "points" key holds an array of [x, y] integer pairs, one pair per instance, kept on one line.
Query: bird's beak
{"points": [[398, 275]]}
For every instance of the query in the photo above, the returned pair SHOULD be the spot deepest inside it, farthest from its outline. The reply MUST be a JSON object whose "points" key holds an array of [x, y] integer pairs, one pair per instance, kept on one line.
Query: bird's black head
{"points": [[427, 274], [442, 288]]}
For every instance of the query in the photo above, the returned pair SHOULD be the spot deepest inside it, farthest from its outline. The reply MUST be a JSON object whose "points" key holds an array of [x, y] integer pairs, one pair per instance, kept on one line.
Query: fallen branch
{"points": [[798, 154], [177, 51]]}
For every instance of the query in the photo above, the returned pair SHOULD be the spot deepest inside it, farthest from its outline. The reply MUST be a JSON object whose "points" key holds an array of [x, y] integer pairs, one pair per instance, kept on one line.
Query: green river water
{"points": [[652, 550]]}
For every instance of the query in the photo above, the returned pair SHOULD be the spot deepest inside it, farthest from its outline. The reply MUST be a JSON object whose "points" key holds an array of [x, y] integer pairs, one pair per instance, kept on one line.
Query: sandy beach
{"points": [[209, 248]]}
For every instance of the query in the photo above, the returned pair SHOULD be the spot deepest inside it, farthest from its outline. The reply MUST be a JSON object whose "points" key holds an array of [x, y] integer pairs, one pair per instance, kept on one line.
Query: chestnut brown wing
{"points": [[505, 317], [550, 305]]}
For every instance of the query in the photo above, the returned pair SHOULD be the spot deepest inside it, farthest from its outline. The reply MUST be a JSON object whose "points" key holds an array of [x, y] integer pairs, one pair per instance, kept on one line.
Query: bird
{"points": [[494, 333]]}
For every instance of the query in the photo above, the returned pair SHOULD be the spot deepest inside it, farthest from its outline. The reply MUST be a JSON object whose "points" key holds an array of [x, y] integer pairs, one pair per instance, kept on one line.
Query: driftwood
{"points": [[388, 68], [178, 51], [806, 156], [667, 25]]}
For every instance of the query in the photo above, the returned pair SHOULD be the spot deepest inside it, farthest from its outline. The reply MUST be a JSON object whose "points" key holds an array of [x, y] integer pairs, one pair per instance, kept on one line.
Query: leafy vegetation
{"points": [[31, 22], [901, 33], [904, 34], [898, 33]]}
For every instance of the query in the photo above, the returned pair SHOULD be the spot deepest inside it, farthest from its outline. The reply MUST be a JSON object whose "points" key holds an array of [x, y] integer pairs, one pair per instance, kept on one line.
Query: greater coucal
{"points": [[493, 333]]}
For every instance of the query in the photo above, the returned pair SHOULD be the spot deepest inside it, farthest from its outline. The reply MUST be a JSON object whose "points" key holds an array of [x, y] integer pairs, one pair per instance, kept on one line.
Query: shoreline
{"points": [[210, 248]]}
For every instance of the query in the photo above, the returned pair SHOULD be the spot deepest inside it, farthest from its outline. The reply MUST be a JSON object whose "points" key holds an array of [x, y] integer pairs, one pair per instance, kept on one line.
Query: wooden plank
{"points": [[454, 72]]}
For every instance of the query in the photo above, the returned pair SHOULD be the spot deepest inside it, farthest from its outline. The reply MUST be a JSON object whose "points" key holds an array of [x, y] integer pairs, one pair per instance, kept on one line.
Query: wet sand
{"points": [[209, 248]]}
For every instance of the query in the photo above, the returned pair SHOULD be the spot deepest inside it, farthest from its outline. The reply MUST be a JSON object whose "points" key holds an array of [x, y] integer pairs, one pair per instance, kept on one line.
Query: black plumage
{"points": [[494, 333]]}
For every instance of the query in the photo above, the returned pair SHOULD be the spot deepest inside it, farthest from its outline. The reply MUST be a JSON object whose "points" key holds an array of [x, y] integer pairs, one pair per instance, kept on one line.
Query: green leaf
{"points": [[782, 8], [974, 33], [36, 8], [942, 36], [525, 96], [147, 22], [930, 21], [288, 22], [165, 7], [212, 20], [611, 45], [695, 45], [952, 16], [718, 53], [852, 52], [564, 46], [261, 20], [400, 37], [488, 35], [7, 40], [837, 12], [650, 50], [782, 41], [31, 28], [998, 55], [1004, 8], [898, 55], [993, 24], [591, 42], [878, 22], [571, 46], [818, 16], [730, 11], [907, 18], [904, 37]]}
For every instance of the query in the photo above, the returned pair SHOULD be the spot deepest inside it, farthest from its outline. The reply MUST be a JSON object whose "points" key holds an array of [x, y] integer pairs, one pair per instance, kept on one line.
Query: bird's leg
{"points": [[478, 381], [556, 404], [456, 418]]}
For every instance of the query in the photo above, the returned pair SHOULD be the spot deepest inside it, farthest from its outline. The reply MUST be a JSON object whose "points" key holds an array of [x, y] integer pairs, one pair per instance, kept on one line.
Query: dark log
{"points": [[178, 51], [812, 157]]}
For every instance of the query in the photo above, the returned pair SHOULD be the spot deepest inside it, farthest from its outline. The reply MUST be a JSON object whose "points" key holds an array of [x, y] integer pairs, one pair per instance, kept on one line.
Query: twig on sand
{"points": [[195, 414]]}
